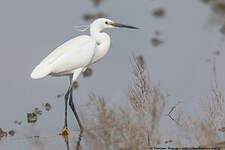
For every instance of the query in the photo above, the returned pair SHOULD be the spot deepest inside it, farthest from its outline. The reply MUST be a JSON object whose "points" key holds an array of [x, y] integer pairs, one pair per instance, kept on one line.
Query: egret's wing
{"points": [[75, 58], [71, 55]]}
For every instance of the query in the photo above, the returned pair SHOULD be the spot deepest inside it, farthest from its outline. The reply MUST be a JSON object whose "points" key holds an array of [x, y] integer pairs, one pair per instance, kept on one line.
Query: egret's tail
{"points": [[40, 72]]}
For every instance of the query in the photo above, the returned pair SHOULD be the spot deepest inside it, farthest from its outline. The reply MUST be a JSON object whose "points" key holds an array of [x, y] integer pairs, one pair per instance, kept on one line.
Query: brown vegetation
{"points": [[136, 127], [133, 127]]}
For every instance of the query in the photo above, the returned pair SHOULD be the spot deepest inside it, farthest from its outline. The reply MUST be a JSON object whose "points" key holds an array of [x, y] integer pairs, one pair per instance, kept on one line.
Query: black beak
{"points": [[123, 26]]}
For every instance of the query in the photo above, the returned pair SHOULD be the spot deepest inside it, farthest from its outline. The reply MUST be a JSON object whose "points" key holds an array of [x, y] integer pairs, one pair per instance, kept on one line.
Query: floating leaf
{"points": [[159, 13], [12, 132], [2, 133], [47, 106], [156, 41], [31, 117], [37, 111]]}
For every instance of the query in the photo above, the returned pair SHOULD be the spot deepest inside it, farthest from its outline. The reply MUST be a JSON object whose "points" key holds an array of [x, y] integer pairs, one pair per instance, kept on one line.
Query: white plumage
{"points": [[74, 56], [64, 60], [76, 53]]}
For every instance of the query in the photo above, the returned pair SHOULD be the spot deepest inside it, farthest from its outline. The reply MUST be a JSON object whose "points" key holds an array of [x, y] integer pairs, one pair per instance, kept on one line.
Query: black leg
{"points": [[66, 101], [65, 131], [78, 119], [74, 111]]}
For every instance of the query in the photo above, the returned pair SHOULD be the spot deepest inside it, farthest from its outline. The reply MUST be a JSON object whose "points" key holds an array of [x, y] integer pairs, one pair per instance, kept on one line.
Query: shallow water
{"points": [[181, 64]]}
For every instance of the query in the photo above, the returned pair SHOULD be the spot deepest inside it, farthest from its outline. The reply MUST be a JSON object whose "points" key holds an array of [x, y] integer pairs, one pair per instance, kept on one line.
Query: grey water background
{"points": [[32, 29]]}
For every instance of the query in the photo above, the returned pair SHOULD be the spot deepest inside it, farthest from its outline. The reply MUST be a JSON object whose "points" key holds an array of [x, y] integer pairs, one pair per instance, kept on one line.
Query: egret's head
{"points": [[103, 23]]}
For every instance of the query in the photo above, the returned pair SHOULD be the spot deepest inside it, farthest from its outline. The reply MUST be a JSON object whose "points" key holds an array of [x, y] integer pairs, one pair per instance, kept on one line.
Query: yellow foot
{"points": [[64, 132]]}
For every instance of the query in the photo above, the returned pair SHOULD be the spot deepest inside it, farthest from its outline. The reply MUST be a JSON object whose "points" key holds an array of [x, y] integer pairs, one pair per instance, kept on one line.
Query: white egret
{"points": [[74, 56]]}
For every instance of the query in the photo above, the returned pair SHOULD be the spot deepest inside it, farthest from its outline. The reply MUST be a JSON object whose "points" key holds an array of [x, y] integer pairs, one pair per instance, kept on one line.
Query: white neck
{"points": [[103, 41]]}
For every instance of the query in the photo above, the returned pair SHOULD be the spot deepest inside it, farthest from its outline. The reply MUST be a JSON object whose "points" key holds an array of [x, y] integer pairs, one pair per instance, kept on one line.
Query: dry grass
{"points": [[134, 127], [208, 130]]}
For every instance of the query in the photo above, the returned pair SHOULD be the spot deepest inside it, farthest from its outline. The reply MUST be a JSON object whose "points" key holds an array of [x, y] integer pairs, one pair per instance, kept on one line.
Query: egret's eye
{"points": [[106, 22]]}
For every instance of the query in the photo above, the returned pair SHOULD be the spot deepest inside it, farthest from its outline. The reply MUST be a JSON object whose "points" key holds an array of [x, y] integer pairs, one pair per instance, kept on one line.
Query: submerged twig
{"points": [[79, 140], [171, 110]]}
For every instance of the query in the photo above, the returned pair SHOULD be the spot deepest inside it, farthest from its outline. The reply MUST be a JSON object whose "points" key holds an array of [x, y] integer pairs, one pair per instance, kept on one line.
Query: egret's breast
{"points": [[101, 50]]}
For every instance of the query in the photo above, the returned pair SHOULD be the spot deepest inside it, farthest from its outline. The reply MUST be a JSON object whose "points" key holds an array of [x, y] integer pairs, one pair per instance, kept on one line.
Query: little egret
{"points": [[74, 56]]}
